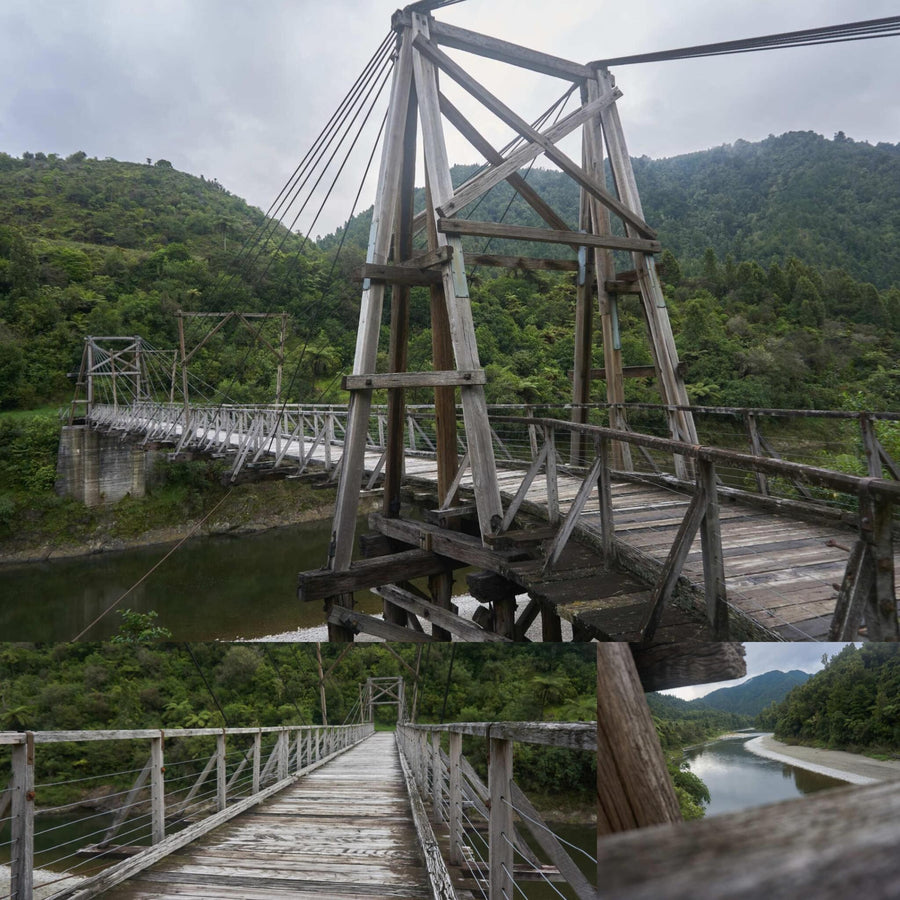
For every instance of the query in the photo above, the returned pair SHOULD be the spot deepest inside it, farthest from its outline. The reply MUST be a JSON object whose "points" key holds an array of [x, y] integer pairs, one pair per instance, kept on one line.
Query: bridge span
{"points": [[759, 545]]}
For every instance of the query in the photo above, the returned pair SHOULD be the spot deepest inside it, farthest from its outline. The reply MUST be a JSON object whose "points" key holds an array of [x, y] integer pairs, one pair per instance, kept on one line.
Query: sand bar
{"points": [[851, 767]]}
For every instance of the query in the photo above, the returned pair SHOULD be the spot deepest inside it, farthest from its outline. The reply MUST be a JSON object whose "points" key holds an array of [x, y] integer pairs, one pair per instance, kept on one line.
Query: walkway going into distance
{"points": [[345, 830]]}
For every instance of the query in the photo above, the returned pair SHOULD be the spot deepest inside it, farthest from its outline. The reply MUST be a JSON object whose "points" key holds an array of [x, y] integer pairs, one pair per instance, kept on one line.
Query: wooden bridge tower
{"points": [[418, 106]]}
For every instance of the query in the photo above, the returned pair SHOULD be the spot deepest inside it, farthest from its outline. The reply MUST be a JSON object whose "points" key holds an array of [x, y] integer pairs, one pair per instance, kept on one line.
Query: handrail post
{"points": [[257, 753], [762, 482], [22, 823], [283, 752], [157, 790], [437, 783], [550, 469], [221, 772], [500, 826], [711, 548], [299, 751], [456, 831]]}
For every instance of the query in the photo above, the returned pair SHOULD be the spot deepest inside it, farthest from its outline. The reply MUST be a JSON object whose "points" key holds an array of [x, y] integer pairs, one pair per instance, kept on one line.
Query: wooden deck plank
{"points": [[343, 831]]}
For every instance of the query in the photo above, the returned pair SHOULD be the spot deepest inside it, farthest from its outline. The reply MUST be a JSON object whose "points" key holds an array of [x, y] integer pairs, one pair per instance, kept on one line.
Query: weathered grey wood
{"points": [[762, 483], [257, 759], [875, 529], [22, 820], [855, 588], [665, 666], [222, 770], [347, 502], [397, 274], [482, 183], [495, 158], [456, 292], [554, 551], [831, 845], [402, 566], [157, 791], [455, 823], [545, 235], [504, 51], [500, 825], [713, 562], [119, 872], [505, 114], [356, 622], [412, 380], [525, 485], [461, 627], [633, 785], [575, 736], [654, 304], [549, 843], [438, 876]]}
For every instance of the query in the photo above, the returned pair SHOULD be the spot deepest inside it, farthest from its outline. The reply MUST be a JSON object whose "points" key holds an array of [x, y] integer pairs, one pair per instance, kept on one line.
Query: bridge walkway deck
{"points": [[343, 831]]}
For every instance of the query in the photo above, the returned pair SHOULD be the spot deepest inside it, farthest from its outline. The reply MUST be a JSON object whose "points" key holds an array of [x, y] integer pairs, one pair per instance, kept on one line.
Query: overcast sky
{"points": [[767, 657], [237, 90]]}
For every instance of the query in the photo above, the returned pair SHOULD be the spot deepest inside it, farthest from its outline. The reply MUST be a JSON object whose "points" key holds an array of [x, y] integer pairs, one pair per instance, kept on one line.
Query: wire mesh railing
{"points": [[494, 842], [61, 831]]}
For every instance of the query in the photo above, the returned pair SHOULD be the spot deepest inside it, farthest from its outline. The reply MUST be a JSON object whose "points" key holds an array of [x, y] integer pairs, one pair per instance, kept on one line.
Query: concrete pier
{"points": [[97, 468]]}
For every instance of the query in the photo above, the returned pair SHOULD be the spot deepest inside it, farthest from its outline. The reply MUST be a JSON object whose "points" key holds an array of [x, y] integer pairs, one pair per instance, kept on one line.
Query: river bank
{"points": [[133, 524], [851, 767]]}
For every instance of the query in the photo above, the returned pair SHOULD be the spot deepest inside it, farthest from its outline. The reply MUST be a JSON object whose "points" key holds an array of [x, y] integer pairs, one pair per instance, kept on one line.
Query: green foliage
{"points": [[681, 724], [852, 704], [139, 628]]}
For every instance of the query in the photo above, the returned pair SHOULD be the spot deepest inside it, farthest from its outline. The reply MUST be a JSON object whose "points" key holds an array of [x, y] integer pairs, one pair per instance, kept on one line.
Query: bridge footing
{"points": [[97, 467]]}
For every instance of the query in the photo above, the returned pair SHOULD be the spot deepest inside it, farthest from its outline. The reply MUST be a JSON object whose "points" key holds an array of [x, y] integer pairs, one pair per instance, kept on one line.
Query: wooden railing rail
{"points": [[868, 588], [463, 807], [288, 753]]}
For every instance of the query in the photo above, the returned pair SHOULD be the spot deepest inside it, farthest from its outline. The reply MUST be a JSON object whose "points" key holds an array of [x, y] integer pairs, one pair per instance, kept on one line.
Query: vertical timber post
{"points": [[456, 292], [157, 790], [22, 820], [633, 785], [347, 501], [221, 771], [455, 798], [500, 827]]}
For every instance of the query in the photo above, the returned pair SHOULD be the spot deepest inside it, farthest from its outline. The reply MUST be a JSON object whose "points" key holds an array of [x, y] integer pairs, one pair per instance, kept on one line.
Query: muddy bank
{"points": [[851, 767], [246, 510]]}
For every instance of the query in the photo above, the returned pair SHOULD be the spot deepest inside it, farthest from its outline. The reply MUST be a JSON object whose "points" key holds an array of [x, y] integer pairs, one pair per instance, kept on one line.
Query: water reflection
{"points": [[738, 779], [211, 588]]}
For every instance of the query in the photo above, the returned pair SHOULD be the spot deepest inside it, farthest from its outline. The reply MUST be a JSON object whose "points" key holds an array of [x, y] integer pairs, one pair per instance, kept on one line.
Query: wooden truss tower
{"points": [[417, 103]]}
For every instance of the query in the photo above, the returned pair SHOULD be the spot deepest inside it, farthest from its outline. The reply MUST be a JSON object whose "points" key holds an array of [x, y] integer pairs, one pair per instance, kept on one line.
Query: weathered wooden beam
{"points": [[445, 618], [504, 51], [633, 785], [483, 182], [665, 666], [463, 548], [399, 275], [357, 622], [368, 573], [545, 235], [412, 380], [825, 846], [429, 50]]}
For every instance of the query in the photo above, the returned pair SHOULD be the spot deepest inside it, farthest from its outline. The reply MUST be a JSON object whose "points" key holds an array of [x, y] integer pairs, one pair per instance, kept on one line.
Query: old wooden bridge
{"points": [[673, 551], [340, 811], [788, 538]]}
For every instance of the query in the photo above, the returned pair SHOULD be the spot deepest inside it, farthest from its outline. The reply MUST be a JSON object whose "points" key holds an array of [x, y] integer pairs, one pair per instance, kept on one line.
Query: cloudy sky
{"points": [[237, 90], [766, 658]]}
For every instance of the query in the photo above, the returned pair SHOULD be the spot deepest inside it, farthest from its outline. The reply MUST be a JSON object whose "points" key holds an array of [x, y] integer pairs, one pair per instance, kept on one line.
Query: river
{"points": [[738, 779], [211, 588]]}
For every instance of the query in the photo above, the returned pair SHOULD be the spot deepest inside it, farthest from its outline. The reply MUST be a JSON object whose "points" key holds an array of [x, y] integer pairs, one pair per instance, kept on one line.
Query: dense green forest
{"points": [[755, 694], [781, 276], [144, 684], [852, 704], [681, 723]]}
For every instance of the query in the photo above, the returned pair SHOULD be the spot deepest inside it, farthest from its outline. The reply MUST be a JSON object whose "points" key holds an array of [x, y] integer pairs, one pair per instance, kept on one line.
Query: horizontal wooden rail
{"points": [[297, 749], [451, 784]]}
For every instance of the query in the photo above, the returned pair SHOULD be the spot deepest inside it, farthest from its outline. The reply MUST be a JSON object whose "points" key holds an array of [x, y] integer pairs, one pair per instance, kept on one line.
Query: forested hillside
{"points": [[781, 271], [755, 694], [852, 704], [683, 722]]}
